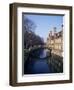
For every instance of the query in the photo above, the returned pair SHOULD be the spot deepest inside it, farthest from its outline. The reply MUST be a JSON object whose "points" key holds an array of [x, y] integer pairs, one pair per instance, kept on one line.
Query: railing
{"points": [[38, 47]]}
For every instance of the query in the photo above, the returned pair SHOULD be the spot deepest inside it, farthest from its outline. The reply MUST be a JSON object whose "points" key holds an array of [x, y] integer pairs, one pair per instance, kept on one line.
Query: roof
{"points": [[56, 35]]}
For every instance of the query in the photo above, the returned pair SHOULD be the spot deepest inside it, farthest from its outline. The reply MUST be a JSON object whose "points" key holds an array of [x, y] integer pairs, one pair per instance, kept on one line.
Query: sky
{"points": [[45, 23]]}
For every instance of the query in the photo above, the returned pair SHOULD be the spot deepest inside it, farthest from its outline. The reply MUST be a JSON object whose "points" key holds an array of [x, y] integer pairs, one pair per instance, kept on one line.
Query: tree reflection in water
{"points": [[38, 62]]}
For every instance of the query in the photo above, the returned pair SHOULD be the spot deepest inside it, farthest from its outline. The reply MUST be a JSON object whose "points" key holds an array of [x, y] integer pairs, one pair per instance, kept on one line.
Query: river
{"points": [[38, 62]]}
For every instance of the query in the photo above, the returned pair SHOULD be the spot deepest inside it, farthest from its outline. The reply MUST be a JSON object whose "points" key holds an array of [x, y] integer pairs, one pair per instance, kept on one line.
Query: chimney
{"points": [[62, 27], [50, 33], [54, 31]]}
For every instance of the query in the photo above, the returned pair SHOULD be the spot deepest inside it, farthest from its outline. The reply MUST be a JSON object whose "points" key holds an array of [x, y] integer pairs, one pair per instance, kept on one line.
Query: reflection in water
{"points": [[38, 63], [43, 54]]}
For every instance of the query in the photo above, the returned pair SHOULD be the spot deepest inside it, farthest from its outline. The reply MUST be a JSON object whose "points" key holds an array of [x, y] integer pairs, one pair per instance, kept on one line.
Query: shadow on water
{"points": [[38, 62]]}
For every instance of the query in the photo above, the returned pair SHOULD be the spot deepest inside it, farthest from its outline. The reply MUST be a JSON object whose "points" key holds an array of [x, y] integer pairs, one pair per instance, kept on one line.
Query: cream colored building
{"points": [[55, 41]]}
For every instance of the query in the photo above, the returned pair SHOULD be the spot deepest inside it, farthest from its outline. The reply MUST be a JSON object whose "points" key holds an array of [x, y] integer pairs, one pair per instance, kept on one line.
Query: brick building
{"points": [[55, 41]]}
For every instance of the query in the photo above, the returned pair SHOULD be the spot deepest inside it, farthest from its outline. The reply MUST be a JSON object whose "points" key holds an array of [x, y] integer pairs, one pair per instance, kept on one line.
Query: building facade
{"points": [[55, 41]]}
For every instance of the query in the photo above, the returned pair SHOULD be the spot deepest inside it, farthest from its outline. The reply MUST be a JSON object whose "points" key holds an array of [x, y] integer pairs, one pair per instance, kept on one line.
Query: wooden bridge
{"points": [[35, 47]]}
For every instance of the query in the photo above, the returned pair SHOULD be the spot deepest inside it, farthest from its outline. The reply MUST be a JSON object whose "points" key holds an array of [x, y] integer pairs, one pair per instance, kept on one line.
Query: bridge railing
{"points": [[39, 46]]}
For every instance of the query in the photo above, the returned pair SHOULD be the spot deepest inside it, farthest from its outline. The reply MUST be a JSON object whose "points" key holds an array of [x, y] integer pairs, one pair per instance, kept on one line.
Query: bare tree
{"points": [[29, 25], [30, 38]]}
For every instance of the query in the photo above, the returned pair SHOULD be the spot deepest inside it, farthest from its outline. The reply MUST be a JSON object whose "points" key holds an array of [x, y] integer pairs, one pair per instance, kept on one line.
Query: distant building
{"points": [[55, 41]]}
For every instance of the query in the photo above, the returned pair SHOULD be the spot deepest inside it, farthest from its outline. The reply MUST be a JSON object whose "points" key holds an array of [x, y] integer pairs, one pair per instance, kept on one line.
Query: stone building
{"points": [[55, 41]]}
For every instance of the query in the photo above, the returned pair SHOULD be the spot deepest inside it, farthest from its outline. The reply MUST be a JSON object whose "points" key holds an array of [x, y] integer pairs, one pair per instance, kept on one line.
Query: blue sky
{"points": [[45, 23]]}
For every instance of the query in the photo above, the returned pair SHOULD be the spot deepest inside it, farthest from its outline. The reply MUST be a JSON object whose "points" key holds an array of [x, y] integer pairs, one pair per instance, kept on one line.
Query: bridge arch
{"points": [[39, 46]]}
